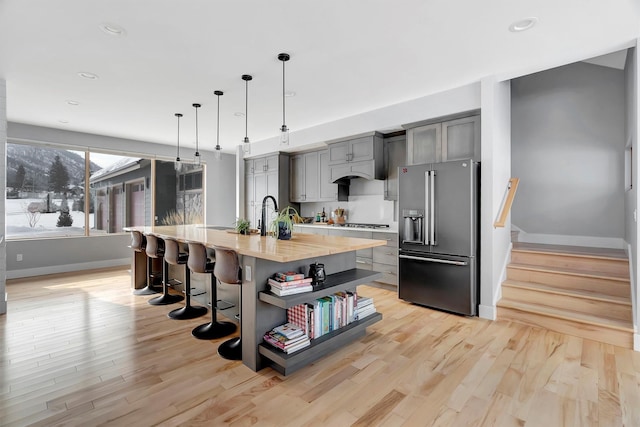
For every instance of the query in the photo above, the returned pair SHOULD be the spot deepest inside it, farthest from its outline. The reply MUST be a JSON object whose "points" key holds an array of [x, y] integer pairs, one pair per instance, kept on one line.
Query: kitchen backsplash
{"points": [[366, 204]]}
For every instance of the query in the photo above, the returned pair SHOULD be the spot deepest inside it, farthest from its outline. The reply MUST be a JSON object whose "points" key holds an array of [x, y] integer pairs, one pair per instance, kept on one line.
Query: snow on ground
{"points": [[17, 221]]}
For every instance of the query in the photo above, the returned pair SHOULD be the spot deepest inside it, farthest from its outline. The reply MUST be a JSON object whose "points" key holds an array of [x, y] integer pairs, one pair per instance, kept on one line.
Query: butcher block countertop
{"points": [[301, 246]]}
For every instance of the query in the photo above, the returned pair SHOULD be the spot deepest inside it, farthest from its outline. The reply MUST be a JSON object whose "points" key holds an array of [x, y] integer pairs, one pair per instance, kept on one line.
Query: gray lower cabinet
{"points": [[385, 258]]}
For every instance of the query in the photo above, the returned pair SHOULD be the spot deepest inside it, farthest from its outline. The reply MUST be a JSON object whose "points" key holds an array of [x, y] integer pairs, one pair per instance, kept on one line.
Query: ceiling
{"points": [[347, 57]]}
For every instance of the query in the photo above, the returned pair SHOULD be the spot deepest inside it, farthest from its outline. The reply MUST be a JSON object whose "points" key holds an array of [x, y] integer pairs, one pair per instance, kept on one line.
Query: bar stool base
{"points": [[231, 349], [213, 330], [166, 299], [147, 290], [189, 312]]}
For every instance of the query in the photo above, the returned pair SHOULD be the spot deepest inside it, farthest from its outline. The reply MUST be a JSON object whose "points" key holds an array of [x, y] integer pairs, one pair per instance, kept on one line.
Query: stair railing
{"points": [[510, 194]]}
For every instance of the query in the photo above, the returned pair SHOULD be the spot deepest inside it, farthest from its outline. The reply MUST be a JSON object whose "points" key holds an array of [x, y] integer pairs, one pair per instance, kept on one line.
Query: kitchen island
{"points": [[261, 257]]}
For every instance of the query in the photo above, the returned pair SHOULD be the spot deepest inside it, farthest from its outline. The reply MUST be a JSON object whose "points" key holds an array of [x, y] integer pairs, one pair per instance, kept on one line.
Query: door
{"points": [[328, 190], [136, 204], [445, 283], [297, 182], [116, 213], [411, 202], [311, 185], [361, 149], [450, 214]]}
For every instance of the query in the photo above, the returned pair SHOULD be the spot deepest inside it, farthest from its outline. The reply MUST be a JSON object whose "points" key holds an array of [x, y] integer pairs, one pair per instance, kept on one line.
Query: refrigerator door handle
{"points": [[440, 261], [432, 214], [427, 213]]}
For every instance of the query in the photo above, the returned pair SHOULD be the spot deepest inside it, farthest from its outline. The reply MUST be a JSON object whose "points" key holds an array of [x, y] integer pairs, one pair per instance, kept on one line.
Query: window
{"points": [[45, 194]]}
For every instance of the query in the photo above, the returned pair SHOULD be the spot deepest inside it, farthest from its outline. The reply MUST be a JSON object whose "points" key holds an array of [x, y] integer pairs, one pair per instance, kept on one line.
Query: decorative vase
{"points": [[284, 233]]}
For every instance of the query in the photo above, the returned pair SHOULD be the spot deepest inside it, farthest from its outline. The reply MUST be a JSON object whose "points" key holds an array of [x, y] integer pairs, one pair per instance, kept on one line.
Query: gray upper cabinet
{"points": [[424, 144], [305, 186], [440, 142], [310, 178], [461, 139], [395, 155], [328, 190], [353, 150]]}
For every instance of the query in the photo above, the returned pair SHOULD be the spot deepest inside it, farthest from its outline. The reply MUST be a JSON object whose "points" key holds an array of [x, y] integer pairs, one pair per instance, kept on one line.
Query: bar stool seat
{"points": [[172, 255], [139, 244], [228, 270], [155, 249], [198, 262]]}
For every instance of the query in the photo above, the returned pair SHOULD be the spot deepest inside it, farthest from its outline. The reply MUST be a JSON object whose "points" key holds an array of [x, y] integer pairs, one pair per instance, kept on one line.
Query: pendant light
{"points": [[284, 131], [178, 164], [197, 155], [246, 145], [218, 153]]}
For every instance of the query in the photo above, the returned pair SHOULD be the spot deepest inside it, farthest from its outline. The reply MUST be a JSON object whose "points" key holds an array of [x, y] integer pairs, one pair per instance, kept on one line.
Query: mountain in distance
{"points": [[37, 161]]}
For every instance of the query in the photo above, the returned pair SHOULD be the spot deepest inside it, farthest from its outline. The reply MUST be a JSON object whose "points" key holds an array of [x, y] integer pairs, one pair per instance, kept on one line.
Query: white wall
{"points": [[632, 130], [464, 98], [495, 169], [568, 151], [59, 255], [3, 169]]}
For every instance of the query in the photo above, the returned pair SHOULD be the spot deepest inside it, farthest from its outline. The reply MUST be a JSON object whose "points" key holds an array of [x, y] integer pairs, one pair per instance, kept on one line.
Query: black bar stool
{"points": [[172, 255], [199, 263], [155, 249], [139, 244], [228, 270]]}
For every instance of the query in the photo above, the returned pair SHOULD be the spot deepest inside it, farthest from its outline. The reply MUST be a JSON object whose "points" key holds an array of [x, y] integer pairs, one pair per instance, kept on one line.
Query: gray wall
{"points": [[568, 151], [44, 256]]}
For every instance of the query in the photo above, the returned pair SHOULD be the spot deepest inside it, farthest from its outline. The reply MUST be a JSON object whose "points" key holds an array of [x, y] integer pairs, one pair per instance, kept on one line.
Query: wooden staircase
{"points": [[574, 290]]}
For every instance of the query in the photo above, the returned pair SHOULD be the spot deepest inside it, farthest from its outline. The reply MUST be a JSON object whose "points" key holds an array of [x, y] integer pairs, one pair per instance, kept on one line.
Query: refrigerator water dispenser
{"points": [[413, 225]]}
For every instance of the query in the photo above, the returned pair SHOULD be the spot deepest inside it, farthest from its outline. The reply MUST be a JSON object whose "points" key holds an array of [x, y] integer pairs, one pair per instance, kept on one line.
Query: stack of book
{"points": [[290, 283], [326, 314], [365, 307], [288, 338]]}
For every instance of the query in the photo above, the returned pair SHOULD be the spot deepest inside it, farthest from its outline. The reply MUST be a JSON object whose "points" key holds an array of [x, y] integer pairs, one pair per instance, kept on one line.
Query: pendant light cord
{"points": [[284, 126], [218, 126], [246, 109], [178, 150]]}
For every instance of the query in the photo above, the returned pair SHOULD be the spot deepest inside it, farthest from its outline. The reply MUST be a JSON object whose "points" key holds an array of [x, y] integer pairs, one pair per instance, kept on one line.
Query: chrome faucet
{"points": [[263, 214]]}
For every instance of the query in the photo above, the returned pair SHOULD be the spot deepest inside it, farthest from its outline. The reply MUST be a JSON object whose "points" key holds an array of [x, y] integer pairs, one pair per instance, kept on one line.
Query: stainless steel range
{"points": [[364, 225]]}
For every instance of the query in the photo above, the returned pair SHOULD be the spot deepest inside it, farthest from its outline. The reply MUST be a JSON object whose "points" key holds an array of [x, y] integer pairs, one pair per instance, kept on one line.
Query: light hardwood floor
{"points": [[79, 349]]}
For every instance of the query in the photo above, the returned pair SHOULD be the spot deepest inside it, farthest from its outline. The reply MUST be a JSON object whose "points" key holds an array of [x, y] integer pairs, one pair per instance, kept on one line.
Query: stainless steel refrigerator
{"points": [[438, 207]]}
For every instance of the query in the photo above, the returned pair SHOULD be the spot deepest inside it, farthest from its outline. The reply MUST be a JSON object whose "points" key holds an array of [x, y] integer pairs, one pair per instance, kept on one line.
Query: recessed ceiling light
{"points": [[72, 102], [239, 114], [89, 76], [523, 24], [289, 94], [64, 122], [112, 29]]}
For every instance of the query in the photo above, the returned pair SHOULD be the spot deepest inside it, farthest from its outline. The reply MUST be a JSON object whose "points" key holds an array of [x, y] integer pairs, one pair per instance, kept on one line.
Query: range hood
{"points": [[357, 157]]}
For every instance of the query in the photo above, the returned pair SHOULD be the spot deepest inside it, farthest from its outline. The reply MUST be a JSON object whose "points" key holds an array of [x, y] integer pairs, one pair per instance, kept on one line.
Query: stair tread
{"points": [[574, 272], [567, 291], [567, 315], [580, 251]]}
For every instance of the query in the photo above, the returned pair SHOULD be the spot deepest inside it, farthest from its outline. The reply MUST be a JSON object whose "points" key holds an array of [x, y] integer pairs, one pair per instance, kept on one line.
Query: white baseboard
{"points": [[40, 271], [560, 239], [487, 312]]}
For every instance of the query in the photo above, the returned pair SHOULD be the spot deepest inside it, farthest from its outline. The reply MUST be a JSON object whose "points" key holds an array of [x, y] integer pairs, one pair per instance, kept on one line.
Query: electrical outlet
{"points": [[19, 257]]}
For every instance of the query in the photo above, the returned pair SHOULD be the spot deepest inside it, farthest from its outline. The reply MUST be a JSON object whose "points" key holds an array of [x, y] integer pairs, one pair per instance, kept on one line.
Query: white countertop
{"points": [[338, 227]]}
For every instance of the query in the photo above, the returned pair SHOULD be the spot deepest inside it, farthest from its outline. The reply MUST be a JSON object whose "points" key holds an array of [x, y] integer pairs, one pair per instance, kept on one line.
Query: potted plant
{"points": [[242, 226], [282, 224]]}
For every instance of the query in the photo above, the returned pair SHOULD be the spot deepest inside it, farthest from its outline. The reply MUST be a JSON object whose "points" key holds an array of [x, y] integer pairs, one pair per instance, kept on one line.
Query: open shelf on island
{"points": [[320, 347], [347, 279]]}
